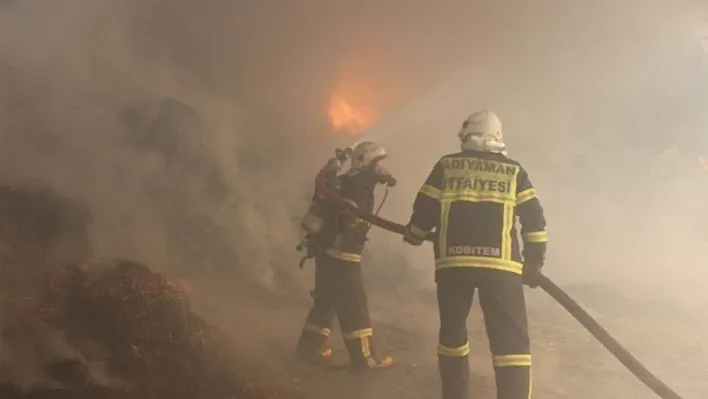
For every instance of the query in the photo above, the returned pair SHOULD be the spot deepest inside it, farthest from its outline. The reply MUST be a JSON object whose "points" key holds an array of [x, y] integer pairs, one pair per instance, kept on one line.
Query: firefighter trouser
{"points": [[339, 291], [501, 297]]}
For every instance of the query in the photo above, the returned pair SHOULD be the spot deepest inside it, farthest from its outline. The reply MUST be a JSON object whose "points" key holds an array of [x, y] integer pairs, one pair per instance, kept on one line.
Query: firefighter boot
{"points": [[311, 347], [513, 382], [455, 374], [363, 356]]}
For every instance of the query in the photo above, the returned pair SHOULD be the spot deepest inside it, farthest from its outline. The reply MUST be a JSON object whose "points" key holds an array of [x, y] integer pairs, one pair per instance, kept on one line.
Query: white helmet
{"points": [[482, 131], [482, 123], [366, 153]]}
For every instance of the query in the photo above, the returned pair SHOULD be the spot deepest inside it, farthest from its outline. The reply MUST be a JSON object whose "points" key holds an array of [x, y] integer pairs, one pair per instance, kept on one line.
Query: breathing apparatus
{"points": [[361, 157]]}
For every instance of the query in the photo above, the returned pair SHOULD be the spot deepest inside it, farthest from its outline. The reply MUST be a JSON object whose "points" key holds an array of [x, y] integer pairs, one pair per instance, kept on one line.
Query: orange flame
{"points": [[344, 116], [354, 105]]}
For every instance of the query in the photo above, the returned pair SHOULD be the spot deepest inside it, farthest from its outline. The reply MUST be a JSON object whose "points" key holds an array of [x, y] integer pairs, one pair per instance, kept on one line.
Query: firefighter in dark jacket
{"points": [[336, 239], [471, 200]]}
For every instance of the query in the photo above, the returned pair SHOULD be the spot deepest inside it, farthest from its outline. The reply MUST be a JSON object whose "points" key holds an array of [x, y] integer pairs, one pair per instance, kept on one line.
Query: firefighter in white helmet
{"points": [[471, 199], [339, 239]]}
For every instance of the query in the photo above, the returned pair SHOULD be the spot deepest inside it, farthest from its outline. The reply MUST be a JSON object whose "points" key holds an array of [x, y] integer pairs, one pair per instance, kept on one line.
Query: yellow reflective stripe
{"points": [[358, 334], [535, 236], [460, 351], [317, 329], [430, 191], [364, 340], [312, 223], [366, 347], [479, 261], [507, 226], [510, 269], [417, 232], [477, 196], [459, 260], [444, 220], [525, 196], [512, 360], [345, 256]]}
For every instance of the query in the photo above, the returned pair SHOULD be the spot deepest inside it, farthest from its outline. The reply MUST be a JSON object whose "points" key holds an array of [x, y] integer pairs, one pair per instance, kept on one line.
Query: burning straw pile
{"points": [[111, 330]]}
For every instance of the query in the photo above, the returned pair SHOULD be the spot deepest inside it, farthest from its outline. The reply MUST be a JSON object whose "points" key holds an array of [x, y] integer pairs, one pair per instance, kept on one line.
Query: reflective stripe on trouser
{"points": [[507, 328], [453, 364], [502, 301], [311, 345], [318, 323], [453, 343], [324, 331], [316, 331], [513, 376], [339, 290]]}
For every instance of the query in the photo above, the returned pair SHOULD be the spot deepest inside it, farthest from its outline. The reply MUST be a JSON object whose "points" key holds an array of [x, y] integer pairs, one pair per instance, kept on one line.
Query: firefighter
{"points": [[471, 200], [336, 238]]}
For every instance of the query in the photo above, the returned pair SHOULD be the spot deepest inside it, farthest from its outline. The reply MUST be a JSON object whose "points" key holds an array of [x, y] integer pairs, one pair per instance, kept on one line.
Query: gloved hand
{"points": [[531, 273], [410, 238], [391, 181]]}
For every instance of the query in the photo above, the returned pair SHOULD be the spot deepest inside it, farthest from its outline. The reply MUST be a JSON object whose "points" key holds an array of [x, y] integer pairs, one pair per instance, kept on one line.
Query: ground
{"points": [[129, 307], [569, 363]]}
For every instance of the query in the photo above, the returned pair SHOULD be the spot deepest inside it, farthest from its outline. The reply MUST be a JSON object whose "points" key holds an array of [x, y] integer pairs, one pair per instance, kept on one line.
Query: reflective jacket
{"points": [[471, 199]]}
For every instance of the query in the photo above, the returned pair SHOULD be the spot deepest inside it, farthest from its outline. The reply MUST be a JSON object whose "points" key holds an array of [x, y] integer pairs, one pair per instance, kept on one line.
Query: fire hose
{"points": [[570, 305]]}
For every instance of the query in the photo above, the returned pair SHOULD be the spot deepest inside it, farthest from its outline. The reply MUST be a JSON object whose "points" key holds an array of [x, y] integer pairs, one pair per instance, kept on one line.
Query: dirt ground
{"points": [[569, 363], [262, 329]]}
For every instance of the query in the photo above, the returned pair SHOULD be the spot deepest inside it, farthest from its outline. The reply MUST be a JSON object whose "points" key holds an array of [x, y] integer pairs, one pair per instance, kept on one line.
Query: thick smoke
{"points": [[592, 99], [193, 130], [143, 110]]}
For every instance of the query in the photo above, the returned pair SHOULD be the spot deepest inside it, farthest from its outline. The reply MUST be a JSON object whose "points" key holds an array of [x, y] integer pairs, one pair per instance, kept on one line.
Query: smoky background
{"points": [[192, 131]]}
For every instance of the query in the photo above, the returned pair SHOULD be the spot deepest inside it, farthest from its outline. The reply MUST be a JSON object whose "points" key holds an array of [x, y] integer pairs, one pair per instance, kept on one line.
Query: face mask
{"points": [[381, 171]]}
